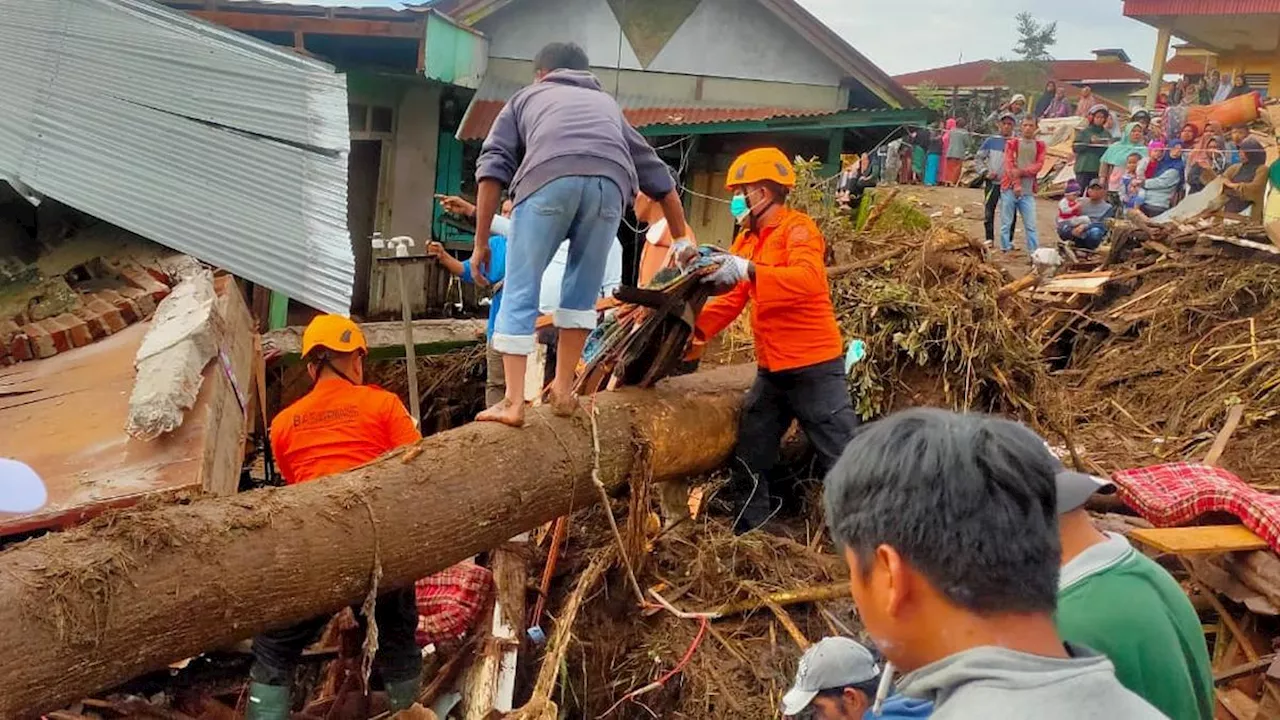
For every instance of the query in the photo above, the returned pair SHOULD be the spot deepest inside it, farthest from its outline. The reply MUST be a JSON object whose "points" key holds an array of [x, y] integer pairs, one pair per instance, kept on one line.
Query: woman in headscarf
{"points": [[1246, 182], [1162, 188], [1206, 162], [1086, 101], [1239, 87], [1224, 89], [1060, 107], [1209, 86], [1046, 98], [1111, 172]]}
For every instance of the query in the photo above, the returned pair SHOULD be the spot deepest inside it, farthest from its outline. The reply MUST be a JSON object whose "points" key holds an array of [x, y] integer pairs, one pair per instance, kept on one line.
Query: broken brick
{"points": [[142, 280], [145, 301], [77, 330], [110, 316], [46, 341], [128, 309], [8, 329], [20, 348], [97, 328]]}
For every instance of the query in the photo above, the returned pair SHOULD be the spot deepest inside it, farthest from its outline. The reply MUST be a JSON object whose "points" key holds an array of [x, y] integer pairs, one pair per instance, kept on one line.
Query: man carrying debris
{"points": [[1119, 602], [339, 425], [949, 527], [777, 265], [838, 679], [572, 162], [495, 382], [990, 162]]}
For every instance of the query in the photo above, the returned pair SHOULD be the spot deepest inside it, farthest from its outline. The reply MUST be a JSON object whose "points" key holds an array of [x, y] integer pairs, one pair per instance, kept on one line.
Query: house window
{"points": [[1258, 81], [370, 121]]}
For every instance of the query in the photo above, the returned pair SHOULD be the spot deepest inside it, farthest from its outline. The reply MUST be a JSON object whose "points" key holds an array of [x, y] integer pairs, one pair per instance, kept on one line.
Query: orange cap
{"points": [[761, 164], [334, 332]]}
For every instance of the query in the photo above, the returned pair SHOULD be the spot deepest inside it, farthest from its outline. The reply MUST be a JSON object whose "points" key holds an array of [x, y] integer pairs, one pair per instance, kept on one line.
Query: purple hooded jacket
{"points": [[566, 125]]}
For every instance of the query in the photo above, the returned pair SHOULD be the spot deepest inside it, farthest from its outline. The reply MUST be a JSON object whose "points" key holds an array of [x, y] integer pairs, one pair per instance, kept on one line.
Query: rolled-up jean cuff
{"points": [[575, 319], [514, 344]]}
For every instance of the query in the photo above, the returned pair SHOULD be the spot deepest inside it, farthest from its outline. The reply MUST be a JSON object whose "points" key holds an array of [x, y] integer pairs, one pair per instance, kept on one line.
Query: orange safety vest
{"points": [[792, 317], [336, 427]]}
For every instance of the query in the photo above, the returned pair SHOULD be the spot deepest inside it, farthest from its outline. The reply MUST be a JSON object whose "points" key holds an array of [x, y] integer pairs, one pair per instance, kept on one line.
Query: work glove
{"points": [[732, 270], [683, 252]]}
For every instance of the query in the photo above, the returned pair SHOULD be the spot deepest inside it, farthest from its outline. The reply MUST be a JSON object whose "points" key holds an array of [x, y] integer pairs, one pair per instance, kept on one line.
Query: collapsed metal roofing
{"points": [[191, 135]]}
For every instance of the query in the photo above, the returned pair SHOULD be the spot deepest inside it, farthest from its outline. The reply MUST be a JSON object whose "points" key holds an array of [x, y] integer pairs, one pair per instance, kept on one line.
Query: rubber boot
{"points": [[267, 702], [402, 695]]}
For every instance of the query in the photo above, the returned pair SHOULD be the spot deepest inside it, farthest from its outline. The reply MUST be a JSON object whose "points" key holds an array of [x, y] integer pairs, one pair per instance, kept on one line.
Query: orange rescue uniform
{"points": [[338, 426], [792, 318]]}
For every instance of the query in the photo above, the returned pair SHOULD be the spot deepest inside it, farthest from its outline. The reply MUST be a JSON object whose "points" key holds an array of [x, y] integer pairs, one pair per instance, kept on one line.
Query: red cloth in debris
{"points": [[1178, 493], [450, 601]]}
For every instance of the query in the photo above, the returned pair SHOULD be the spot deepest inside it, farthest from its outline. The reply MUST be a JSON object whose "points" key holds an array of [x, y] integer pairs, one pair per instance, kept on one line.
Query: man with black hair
{"points": [[949, 527], [837, 679], [572, 162]]}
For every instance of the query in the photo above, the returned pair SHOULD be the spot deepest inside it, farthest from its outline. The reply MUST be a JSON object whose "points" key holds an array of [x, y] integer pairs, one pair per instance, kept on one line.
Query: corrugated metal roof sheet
{"points": [[191, 135], [640, 111]]}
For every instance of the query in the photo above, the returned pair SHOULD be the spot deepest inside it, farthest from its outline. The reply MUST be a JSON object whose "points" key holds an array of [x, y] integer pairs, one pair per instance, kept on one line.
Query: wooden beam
{"points": [[262, 22], [386, 340], [110, 596], [1200, 539]]}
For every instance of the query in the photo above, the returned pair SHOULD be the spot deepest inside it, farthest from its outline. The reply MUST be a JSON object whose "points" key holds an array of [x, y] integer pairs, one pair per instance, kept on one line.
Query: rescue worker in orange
{"points": [[340, 424], [776, 264]]}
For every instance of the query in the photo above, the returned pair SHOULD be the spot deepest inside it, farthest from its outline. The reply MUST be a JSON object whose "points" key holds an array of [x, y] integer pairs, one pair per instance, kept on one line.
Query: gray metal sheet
{"points": [[194, 136]]}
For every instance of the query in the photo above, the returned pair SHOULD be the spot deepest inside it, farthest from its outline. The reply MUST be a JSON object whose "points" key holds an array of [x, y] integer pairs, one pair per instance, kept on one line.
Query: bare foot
{"points": [[504, 412], [563, 405]]}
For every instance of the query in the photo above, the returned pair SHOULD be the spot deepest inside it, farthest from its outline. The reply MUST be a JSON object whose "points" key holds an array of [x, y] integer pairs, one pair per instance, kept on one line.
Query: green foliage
{"points": [[1034, 38], [931, 96]]}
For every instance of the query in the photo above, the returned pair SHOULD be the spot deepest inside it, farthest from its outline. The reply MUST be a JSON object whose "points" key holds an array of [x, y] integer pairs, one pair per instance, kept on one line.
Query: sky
{"points": [[933, 33], [922, 34]]}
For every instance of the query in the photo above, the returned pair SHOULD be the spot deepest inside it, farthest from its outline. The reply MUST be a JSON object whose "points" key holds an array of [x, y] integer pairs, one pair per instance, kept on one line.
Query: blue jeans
{"points": [[586, 210], [1026, 205]]}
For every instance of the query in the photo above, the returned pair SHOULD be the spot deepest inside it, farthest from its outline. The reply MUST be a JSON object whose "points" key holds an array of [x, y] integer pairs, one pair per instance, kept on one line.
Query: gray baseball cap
{"points": [[1075, 488], [831, 663]]}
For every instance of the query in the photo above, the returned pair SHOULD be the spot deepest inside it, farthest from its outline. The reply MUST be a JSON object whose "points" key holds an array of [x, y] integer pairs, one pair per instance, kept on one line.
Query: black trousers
{"points": [[276, 653], [818, 397], [990, 200]]}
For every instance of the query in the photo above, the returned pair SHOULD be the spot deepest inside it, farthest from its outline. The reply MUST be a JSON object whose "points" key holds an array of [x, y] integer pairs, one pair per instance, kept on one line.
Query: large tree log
{"points": [[95, 606]]}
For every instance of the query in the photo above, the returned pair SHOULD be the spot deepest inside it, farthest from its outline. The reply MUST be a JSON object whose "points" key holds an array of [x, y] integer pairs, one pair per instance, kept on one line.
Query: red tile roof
{"points": [[1140, 8], [986, 73]]}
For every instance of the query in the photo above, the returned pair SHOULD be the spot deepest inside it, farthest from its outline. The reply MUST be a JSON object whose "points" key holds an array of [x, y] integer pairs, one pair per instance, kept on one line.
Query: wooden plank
{"points": [[1084, 286], [386, 340], [226, 419], [1200, 539], [1249, 668], [1220, 443], [1241, 706]]}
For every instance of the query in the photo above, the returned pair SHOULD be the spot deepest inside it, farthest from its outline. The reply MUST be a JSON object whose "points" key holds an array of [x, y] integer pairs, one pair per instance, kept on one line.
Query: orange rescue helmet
{"points": [[334, 332], [761, 164]]}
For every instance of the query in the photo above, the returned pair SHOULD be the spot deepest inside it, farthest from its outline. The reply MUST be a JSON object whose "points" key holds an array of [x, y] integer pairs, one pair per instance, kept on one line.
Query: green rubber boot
{"points": [[402, 695], [267, 702]]}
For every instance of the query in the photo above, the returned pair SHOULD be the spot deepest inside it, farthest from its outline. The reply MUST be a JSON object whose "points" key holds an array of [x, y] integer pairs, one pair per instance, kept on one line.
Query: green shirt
{"points": [[1119, 602], [1088, 151]]}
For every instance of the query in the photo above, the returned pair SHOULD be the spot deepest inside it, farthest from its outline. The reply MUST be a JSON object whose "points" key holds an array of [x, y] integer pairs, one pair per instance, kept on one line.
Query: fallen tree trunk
{"points": [[101, 604]]}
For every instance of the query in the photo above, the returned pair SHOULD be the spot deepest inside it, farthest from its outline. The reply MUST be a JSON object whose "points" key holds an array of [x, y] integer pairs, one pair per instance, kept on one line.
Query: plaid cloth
{"points": [[1178, 493], [450, 601]]}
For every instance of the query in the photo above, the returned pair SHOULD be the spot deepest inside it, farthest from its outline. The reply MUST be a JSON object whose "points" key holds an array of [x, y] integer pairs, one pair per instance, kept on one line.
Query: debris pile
{"points": [[938, 328], [1160, 337]]}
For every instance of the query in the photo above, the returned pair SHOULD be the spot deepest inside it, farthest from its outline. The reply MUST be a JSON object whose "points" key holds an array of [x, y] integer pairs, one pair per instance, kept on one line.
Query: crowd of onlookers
{"points": [[1149, 162]]}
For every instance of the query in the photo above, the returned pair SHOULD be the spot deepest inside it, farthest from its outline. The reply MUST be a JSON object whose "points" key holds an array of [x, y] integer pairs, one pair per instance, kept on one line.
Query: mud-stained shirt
{"points": [[336, 427]]}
